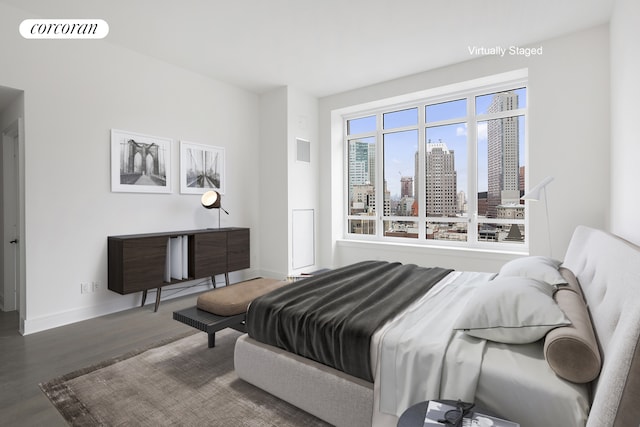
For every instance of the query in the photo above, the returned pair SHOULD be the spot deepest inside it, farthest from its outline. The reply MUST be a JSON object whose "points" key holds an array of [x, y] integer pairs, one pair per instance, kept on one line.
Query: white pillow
{"points": [[540, 268], [511, 310]]}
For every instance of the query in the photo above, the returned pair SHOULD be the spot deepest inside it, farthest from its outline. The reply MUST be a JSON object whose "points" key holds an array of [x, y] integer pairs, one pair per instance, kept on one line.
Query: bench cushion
{"points": [[234, 299]]}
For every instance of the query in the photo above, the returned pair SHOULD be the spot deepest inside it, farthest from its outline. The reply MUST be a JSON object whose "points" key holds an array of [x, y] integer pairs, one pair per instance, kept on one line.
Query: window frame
{"points": [[466, 90]]}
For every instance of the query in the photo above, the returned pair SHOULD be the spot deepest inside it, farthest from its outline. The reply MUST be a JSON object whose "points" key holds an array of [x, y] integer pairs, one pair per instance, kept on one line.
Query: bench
{"points": [[225, 307]]}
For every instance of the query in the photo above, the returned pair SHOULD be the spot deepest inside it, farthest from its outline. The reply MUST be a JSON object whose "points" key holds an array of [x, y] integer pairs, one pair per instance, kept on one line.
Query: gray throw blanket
{"points": [[330, 318]]}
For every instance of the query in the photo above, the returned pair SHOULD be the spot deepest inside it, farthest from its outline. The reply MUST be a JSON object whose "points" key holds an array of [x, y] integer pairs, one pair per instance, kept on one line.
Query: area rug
{"points": [[179, 383]]}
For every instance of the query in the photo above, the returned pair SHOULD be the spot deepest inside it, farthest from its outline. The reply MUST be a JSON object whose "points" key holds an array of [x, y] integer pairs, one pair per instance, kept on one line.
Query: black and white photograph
{"points": [[201, 168], [140, 163]]}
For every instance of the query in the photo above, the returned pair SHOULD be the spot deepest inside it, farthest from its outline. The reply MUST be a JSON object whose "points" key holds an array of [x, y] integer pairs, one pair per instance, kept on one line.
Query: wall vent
{"points": [[303, 150]]}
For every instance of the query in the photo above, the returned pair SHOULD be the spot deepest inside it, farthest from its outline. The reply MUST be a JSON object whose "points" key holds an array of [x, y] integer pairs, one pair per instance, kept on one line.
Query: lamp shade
{"points": [[211, 200], [534, 193]]}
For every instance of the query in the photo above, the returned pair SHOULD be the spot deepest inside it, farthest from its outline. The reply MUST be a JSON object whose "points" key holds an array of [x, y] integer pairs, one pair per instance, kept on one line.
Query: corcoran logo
{"points": [[64, 29]]}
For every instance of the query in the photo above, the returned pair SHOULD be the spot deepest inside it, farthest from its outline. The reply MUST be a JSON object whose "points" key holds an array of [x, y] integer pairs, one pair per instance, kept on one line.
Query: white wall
{"points": [[75, 92], [286, 184], [625, 111], [568, 134], [13, 111], [273, 196], [304, 178]]}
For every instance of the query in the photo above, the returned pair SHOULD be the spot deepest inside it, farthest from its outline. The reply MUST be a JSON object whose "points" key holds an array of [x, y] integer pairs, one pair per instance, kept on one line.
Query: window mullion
{"points": [[420, 189], [345, 164], [472, 146], [379, 176]]}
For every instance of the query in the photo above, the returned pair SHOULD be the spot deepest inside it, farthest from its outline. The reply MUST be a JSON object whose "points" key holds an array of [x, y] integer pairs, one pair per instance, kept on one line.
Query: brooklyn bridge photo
{"points": [[142, 164], [203, 168]]}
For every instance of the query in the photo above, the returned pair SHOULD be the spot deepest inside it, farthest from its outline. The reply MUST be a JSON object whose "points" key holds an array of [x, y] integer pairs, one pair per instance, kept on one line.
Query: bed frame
{"points": [[608, 270]]}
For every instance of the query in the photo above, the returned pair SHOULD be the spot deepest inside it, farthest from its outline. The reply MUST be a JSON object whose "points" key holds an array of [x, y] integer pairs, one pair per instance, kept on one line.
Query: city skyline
{"points": [[399, 163], [500, 153]]}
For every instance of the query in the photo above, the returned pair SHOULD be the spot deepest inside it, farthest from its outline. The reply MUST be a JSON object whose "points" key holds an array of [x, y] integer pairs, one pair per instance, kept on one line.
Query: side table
{"points": [[414, 415]]}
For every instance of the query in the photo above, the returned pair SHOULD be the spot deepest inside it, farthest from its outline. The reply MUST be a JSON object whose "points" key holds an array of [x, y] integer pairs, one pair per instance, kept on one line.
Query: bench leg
{"points": [[212, 339]]}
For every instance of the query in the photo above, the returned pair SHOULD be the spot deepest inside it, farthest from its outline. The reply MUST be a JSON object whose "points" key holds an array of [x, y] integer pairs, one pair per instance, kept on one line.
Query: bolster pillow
{"points": [[572, 351]]}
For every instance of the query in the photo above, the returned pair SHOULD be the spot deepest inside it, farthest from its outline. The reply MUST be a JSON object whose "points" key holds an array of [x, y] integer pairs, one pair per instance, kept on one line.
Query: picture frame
{"points": [[140, 163], [202, 168]]}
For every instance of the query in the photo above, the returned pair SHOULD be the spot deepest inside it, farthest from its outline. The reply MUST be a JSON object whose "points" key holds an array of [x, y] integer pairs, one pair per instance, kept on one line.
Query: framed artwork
{"points": [[140, 163], [202, 168]]}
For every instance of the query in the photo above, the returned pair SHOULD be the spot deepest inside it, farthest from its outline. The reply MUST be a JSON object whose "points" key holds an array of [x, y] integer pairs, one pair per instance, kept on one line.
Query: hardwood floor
{"points": [[26, 361]]}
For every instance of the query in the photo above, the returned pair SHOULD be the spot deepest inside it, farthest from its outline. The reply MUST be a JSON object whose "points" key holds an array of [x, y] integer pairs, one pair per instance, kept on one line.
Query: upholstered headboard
{"points": [[608, 269]]}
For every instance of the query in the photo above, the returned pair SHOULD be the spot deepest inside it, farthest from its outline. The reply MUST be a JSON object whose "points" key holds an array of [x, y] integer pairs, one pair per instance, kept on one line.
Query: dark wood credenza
{"points": [[138, 262]]}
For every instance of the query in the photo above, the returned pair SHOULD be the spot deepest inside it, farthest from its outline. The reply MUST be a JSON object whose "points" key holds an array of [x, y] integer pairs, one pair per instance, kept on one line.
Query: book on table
{"points": [[436, 414]]}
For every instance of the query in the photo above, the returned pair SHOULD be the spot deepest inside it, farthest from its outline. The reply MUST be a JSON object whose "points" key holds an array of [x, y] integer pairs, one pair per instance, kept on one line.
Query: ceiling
{"points": [[322, 47]]}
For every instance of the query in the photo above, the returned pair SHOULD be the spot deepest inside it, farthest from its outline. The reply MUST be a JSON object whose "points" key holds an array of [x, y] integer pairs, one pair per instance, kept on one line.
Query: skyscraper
{"points": [[442, 180], [406, 186], [371, 168], [358, 162], [361, 159], [503, 154]]}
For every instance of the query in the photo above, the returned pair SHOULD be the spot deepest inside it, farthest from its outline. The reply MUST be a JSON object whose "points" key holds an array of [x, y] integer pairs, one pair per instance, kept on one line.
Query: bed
{"points": [[574, 361]]}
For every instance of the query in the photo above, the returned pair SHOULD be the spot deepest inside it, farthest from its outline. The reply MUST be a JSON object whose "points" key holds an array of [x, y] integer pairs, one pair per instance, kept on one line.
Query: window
{"points": [[446, 170]]}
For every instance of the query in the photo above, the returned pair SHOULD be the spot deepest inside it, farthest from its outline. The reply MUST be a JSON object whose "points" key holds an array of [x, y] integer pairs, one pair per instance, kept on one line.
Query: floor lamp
{"points": [[534, 195]]}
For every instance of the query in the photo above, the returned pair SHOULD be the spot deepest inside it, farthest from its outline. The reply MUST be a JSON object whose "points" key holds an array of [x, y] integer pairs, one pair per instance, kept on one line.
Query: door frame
{"points": [[15, 132]]}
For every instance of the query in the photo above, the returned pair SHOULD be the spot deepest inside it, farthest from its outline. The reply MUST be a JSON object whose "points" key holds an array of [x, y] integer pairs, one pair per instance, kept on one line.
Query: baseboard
{"points": [[42, 323], [271, 274], [121, 303]]}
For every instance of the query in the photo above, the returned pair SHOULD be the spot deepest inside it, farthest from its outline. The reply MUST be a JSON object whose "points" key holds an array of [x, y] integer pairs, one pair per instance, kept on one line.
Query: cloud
{"points": [[482, 131]]}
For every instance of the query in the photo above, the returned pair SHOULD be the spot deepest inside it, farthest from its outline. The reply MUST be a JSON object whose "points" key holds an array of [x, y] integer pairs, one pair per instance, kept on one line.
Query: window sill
{"points": [[456, 251]]}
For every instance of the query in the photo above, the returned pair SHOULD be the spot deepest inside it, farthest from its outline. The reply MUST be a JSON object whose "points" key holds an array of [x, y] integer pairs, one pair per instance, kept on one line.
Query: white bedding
{"points": [[516, 381], [420, 358]]}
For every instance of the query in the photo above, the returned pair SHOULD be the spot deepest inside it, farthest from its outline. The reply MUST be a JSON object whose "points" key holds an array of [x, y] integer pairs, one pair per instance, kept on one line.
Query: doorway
{"points": [[10, 293], [12, 248]]}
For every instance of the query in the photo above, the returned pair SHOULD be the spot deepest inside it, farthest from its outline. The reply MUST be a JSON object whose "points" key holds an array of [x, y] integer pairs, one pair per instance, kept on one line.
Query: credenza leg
{"points": [[226, 279], [157, 299], [144, 298]]}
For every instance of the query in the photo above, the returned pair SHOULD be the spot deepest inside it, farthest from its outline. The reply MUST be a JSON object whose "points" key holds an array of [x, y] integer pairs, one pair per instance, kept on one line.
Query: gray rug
{"points": [[180, 383]]}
